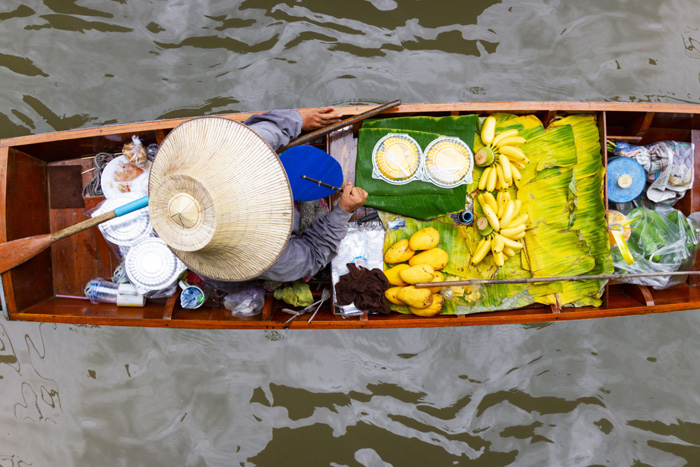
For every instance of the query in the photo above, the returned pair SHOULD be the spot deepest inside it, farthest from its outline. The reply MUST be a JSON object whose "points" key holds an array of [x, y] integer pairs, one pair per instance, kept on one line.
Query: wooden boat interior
{"points": [[49, 287]]}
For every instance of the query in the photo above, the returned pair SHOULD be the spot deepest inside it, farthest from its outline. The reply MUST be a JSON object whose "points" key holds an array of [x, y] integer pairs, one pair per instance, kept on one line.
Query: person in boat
{"points": [[308, 253]]}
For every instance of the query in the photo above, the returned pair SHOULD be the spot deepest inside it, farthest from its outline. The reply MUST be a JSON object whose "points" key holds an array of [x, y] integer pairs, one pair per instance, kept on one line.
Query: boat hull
{"points": [[48, 288]]}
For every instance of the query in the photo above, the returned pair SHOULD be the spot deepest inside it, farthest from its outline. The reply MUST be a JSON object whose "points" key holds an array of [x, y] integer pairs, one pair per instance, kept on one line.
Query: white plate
{"points": [[110, 188], [128, 229]]}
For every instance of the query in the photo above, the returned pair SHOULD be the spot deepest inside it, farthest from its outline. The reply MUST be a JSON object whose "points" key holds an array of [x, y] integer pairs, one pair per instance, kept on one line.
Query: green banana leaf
{"points": [[416, 199]]}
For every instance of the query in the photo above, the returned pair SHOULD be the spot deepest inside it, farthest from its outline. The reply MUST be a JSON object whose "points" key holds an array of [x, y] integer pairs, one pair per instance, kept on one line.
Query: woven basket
{"points": [[220, 198]]}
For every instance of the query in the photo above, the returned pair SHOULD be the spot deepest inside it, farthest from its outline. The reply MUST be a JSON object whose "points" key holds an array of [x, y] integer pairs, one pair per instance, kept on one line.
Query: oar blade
{"points": [[18, 251]]}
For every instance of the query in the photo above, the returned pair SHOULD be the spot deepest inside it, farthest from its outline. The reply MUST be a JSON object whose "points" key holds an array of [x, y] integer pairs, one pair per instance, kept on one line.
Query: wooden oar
{"points": [[341, 124], [533, 280], [16, 252]]}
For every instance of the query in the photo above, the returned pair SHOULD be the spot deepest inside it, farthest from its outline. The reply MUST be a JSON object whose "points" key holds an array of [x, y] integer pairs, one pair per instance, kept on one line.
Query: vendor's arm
{"points": [[306, 255], [279, 127]]}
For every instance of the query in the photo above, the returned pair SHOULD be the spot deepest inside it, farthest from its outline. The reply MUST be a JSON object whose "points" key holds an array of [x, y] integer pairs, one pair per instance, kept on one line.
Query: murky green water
{"points": [[608, 392]]}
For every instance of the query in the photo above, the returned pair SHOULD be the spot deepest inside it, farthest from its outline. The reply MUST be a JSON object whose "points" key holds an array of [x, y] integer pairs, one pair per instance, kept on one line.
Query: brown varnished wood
{"points": [[84, 256], [640, 126], [678, 122], [342, 145], [27, 215], [267, 307], [627, 139], [640, 293], [160, 136], [16, 252], [170, 306], [549, 117], [61, 311], [443, 108]]}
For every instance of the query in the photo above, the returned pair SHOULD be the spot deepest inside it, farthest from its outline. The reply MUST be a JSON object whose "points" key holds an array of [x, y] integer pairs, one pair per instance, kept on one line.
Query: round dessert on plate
{"points": [[448, 161], [396, 157]]}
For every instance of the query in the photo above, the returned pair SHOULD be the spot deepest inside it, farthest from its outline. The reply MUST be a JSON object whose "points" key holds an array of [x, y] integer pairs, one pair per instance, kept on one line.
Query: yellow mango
{"points": [[393, 277], [424, 239], [438, 277], [416, 298], [418, 273], [432, 310], [398, 252], [435, 257], [392, 295]]}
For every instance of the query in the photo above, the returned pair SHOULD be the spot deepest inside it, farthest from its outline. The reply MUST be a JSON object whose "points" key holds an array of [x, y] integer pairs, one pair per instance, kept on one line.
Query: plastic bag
{"points": [[362, 246], [247, 300], [668, 166], [298, 293], [661, 240], [135, 152]]}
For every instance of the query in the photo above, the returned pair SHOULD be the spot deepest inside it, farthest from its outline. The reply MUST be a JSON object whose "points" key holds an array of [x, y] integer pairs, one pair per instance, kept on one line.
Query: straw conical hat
{"points": [[220, 198]]}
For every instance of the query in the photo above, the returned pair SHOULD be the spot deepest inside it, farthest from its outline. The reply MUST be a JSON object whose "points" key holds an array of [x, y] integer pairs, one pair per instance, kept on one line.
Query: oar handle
{"points": [[87, 224], [343, 123], [131, 207]]}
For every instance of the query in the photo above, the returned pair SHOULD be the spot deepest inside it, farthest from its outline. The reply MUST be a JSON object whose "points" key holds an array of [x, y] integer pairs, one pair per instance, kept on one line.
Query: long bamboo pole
{"points": [[341, 124], [534, 280]]}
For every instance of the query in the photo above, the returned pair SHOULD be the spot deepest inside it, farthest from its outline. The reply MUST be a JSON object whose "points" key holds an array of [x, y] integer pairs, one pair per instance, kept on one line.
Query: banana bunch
{"points": [[502, 228], [501, 156]]}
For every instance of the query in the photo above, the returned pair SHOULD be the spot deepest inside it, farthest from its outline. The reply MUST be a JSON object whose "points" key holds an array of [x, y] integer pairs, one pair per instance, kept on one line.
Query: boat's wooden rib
{"points": [[40, 289]]}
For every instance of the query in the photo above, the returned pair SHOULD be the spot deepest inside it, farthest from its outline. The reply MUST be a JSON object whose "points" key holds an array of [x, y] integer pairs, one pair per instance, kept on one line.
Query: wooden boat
{"points": [[40, 289]]}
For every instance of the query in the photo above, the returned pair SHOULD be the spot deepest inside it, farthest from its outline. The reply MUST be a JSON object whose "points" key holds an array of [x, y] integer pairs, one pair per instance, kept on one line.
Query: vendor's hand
{"points": [[313, 118], [352, 197]]}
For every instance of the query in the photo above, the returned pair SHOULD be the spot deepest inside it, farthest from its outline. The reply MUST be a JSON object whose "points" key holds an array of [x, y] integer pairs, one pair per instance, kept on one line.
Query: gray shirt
{"points": [[307, 254]]}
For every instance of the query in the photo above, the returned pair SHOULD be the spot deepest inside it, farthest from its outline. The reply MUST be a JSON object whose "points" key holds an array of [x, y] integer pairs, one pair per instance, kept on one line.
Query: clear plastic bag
{"points": [[135, 152], [362, 246], [661, 240], [245, 300]]}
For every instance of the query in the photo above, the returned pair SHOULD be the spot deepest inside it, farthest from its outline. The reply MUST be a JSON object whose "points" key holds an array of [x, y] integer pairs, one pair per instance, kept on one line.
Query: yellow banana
{"points": [[480, 198], [512, 244], [518, 205], [497, 244], [484, 178], [505, 164], [491, 217], [479, 245], [481, 250], [488, 130], [502, 135], [510, 140], [519, 236], [499, 199], [512, 231], [516, 173], [500, 212], [506, 195], [514, 153], [517, 164], [499, 259], [508, 251], [520, 220], [491, 183], [491, 201], [501, 177], [508, 214]]}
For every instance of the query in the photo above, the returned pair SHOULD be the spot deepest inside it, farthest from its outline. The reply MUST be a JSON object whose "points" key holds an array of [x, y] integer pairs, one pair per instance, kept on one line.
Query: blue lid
{"points": [[626, 179], [314, 163]]}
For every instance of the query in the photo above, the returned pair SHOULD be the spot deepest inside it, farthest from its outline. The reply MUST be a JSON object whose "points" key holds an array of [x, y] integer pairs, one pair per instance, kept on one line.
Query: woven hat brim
{"points": [[240, 188]]}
